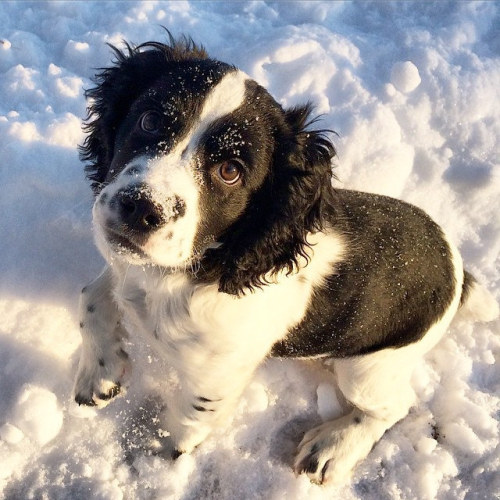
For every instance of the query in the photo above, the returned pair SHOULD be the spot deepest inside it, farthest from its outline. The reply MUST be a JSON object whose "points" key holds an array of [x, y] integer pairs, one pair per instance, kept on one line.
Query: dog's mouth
{"points": [[123, 245]]}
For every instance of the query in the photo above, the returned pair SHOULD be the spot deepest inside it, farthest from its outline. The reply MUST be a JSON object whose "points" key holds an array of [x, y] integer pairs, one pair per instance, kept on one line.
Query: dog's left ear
{"points": [[271, 236], [311, 159]]}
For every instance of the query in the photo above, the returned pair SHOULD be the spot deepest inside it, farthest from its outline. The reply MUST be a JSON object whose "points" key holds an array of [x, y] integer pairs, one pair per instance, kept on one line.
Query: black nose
{"points": [[138, 212]]}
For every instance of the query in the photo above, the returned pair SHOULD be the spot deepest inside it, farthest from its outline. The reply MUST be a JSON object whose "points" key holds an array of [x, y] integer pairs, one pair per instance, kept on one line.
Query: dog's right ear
{"points": [[116, 88], [109, 101]]}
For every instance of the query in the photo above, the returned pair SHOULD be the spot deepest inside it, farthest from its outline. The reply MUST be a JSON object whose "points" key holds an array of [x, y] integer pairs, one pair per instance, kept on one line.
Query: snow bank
{"points": [[412, 90]]}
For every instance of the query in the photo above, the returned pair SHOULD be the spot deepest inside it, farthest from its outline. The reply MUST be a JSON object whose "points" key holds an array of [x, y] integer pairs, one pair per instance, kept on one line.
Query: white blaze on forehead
{"points": [[227, 96]]}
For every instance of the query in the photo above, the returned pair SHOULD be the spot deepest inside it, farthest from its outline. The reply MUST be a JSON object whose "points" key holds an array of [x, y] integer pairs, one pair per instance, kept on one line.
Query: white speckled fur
{"points": [[104, 367], [214, 340]]}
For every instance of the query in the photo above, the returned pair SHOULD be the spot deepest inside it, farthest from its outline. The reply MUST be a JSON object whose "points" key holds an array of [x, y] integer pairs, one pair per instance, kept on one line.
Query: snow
{"points": [[405, 76], [327, 402], [11, 434], [412, 90], [37, 413]]}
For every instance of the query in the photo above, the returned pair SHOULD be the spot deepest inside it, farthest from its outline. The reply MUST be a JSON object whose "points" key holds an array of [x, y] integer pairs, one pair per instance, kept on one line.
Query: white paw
{"points": [[328, 453], [99, 380], [184, 438], [190, 423]]}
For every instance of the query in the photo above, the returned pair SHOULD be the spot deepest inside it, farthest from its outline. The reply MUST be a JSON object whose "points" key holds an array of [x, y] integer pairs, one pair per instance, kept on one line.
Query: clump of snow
{"points": [[11, 434], [424, 129], [37, 414], [255, 397], [328, 405], [65, 131], [26, 131], [405, 76]]}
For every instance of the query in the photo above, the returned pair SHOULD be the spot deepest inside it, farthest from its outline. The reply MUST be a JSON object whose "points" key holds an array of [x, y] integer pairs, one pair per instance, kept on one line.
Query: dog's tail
{"points": [[476, 302]]}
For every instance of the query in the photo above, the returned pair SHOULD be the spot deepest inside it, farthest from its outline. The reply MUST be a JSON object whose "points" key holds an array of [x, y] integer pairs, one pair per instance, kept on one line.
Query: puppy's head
{"points": [[195, 165]]}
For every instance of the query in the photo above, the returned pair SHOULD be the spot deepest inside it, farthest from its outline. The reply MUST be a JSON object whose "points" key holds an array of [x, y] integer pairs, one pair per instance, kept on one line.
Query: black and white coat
{"points": [[226, 243]]}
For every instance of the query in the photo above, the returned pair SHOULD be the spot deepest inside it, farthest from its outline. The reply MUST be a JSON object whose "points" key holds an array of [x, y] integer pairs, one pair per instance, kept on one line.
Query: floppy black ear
{"points": [[271, 235], [311, 159], [116, 88]]}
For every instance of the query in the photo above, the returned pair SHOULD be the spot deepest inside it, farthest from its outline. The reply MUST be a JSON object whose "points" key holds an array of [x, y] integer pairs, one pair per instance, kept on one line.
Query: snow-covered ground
{"points": [[413, 89]]}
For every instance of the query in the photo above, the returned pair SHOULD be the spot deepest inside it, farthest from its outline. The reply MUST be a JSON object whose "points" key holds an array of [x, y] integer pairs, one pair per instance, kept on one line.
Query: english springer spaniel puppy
{"points": [[226, 243]]}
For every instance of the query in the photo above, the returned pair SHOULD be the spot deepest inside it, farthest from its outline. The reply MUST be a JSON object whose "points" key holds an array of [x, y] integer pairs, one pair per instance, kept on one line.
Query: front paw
{"points": [[184, 433], [99, 380]]}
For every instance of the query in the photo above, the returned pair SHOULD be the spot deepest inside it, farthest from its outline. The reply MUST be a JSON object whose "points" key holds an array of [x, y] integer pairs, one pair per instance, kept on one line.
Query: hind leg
{"points": [[379, 395], [378, 388]]}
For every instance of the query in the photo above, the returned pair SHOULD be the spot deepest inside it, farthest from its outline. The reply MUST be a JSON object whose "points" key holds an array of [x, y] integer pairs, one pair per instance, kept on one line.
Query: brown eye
{"points": [[150, 122], [230, 172]]}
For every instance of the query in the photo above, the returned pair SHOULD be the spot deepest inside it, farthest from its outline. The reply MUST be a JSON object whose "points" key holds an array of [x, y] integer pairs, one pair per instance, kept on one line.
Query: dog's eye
{"points": [[150, 122], [230, 172]]}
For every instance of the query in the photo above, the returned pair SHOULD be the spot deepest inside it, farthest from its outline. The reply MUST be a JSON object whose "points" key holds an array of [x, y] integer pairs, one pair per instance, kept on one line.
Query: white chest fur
{"points": [[198, 324]]}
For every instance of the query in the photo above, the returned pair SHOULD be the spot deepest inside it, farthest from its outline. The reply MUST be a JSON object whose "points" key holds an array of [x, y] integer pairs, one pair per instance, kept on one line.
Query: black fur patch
{"points": [[114, 391], [309, 465], [397, 279], [82, 400], [284, 196]]}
